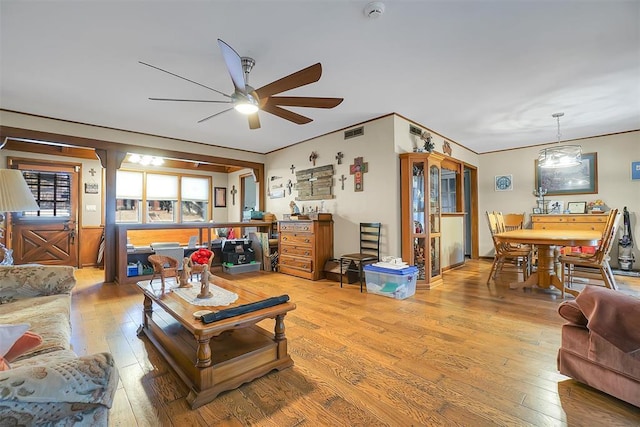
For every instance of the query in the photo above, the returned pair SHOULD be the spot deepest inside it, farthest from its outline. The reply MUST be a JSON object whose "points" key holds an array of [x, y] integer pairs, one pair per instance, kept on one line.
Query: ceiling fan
{"points": [[248, 100]]}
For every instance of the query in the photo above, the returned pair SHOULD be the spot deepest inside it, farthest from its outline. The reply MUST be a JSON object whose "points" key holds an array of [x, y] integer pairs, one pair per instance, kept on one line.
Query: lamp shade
{"points": [[15, 195], [560, 157]]}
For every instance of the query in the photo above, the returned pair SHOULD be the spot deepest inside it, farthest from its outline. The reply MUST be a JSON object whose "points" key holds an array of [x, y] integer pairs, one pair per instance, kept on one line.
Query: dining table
{"points": [[548, 244]]}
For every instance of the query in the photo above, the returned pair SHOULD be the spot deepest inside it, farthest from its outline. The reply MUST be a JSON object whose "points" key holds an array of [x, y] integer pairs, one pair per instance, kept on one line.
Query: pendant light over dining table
{"points": [[560, 156]]}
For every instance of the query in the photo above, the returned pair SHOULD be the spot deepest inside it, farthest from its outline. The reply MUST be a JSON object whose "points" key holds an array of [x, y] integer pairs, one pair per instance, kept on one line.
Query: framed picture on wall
{"points": [[220, 197], [580, 179]]}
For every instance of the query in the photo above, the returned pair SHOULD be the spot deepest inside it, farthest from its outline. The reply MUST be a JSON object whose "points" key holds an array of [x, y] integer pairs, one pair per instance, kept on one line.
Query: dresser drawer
{"points": [[296, 251], [572, 222], [296, 226], [297, 263], [298, 239]]}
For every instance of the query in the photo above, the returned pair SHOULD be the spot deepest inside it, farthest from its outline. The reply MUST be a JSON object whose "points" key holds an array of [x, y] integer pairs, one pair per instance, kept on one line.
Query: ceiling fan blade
{"points": [[303, 77], [234, 65], [190, 100], [286, 114], [213, 115], [254, 121], [184, 78], [303, 101]]}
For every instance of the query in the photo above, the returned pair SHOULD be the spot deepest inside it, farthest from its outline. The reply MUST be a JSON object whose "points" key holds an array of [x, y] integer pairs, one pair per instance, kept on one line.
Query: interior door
{"points": [[47, 236]]}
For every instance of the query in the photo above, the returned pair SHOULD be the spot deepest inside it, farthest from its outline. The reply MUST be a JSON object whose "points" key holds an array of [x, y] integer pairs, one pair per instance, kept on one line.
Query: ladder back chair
{"points": [[518, 255], [369, 251], [599, 259]]}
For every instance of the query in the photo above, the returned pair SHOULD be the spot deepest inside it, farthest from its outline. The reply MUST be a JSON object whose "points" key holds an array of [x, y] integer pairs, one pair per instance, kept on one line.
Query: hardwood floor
{"points": [[461, 354]]}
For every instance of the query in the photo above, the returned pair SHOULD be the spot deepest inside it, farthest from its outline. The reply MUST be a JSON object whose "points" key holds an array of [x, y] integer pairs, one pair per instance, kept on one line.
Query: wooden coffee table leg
{"points": [[279, 330], [204, 353]]}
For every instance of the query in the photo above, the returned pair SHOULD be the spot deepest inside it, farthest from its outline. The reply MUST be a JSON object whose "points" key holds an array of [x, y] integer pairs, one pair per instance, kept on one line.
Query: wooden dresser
{"points": [[569, 221], [305, 245]]}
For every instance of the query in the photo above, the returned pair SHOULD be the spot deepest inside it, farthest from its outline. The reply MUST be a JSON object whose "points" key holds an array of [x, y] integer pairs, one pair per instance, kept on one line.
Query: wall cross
{"points": [[339, 157], [293, 168], [358, 169], [233, 194], [342, 180], [92, 171]]}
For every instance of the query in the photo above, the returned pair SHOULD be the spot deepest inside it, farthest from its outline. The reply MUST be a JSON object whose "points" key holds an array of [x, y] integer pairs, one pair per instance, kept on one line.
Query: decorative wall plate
{"points": [[504, 182]]}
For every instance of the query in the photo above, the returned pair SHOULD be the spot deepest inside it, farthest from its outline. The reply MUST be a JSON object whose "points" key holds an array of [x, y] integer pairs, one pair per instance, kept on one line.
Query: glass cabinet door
{"points": [[434, 199], [418, 190], [434, 219]]}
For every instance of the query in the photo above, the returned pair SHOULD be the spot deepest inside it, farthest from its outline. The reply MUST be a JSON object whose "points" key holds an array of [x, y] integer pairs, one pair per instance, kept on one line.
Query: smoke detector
{"points": [[374, 9]]}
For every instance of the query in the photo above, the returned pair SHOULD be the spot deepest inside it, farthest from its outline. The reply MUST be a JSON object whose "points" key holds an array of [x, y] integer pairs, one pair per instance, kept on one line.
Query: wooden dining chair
{"points": [[513, 221], [598, 260], [518, 255]]}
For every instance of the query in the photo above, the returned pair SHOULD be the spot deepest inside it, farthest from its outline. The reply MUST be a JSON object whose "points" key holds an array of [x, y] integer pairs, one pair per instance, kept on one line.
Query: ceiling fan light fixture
{"points": [[562, 156], [246, 107]]}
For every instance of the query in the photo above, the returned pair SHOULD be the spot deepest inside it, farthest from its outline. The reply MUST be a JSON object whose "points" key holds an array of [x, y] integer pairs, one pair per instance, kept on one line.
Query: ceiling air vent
{"points": [[352, 133], [413, 130]]}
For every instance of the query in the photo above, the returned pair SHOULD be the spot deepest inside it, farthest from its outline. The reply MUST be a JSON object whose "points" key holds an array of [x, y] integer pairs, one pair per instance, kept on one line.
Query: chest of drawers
{"points": [[305, 246]]}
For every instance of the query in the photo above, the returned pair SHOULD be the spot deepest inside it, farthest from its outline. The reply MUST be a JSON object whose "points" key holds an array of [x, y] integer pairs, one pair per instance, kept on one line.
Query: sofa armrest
{"points": [[27, 281], [612, 315], [89, 379]]}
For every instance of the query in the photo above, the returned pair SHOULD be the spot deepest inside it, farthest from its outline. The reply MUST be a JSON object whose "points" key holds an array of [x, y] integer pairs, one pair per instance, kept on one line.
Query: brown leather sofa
{"points": [[601, 342]]}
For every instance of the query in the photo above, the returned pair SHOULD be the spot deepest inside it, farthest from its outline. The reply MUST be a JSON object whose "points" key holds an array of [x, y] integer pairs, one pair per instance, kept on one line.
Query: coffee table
{"points": [[219, 356]]}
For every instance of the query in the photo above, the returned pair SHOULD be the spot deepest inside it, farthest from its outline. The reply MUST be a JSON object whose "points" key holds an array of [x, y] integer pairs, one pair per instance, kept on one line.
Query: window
{"points": [[162, 195], [128, 196], [52, 191], [150, 198], [195, 199], [449, 184]]}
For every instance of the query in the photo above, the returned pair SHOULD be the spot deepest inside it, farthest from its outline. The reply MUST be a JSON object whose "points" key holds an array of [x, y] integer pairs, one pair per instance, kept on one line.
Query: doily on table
{"points": [[220, 296]]}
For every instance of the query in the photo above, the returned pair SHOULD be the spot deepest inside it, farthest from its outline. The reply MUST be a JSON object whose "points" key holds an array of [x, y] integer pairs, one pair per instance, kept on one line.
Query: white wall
{"points": [[614, 156], [383, 140]]}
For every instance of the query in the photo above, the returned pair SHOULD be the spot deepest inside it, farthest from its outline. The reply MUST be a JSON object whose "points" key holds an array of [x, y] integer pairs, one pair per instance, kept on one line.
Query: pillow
{"points": [[26, 342], [569, 310], [201, 256], [9, 334], [4, 365]]}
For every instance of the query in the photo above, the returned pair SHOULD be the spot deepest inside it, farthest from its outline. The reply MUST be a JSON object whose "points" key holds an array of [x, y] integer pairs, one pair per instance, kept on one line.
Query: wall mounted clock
{"points": [[504, 182]]}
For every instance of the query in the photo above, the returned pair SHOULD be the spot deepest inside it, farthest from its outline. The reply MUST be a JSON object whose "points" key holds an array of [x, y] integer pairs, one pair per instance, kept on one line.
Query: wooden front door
{"points": [[45, 242], [47, 236]]}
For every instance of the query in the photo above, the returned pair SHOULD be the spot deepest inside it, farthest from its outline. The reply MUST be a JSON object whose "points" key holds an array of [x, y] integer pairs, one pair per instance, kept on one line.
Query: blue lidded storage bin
{"points": [[391, 282]]}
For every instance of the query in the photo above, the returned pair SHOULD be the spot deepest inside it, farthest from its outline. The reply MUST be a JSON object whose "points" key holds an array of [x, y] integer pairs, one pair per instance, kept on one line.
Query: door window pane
{"points": [[52, 191]]}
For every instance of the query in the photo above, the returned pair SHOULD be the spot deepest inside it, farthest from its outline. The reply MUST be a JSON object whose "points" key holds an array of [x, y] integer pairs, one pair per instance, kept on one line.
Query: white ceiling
{"points": [[487, 74]]}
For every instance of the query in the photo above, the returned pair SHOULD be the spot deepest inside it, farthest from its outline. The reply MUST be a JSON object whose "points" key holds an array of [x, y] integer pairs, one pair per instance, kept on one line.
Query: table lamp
{"points": [[15, 196]]}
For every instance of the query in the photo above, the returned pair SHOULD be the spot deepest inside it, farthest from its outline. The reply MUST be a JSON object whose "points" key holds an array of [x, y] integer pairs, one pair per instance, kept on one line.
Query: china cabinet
{"points": [[421, 215]]}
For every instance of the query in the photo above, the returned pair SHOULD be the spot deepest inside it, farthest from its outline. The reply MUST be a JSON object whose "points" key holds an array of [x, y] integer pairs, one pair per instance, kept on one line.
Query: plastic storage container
{"points": [[241, 268], [390, 282]]}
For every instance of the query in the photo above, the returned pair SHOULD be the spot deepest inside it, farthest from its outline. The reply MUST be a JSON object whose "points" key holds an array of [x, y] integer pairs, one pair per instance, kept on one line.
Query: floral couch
{"points": [[50, 384]]}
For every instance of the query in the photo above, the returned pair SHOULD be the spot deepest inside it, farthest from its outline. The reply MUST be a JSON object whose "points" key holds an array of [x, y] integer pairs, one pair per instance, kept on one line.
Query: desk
{"points": [[215, 357], [546, 242]]}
